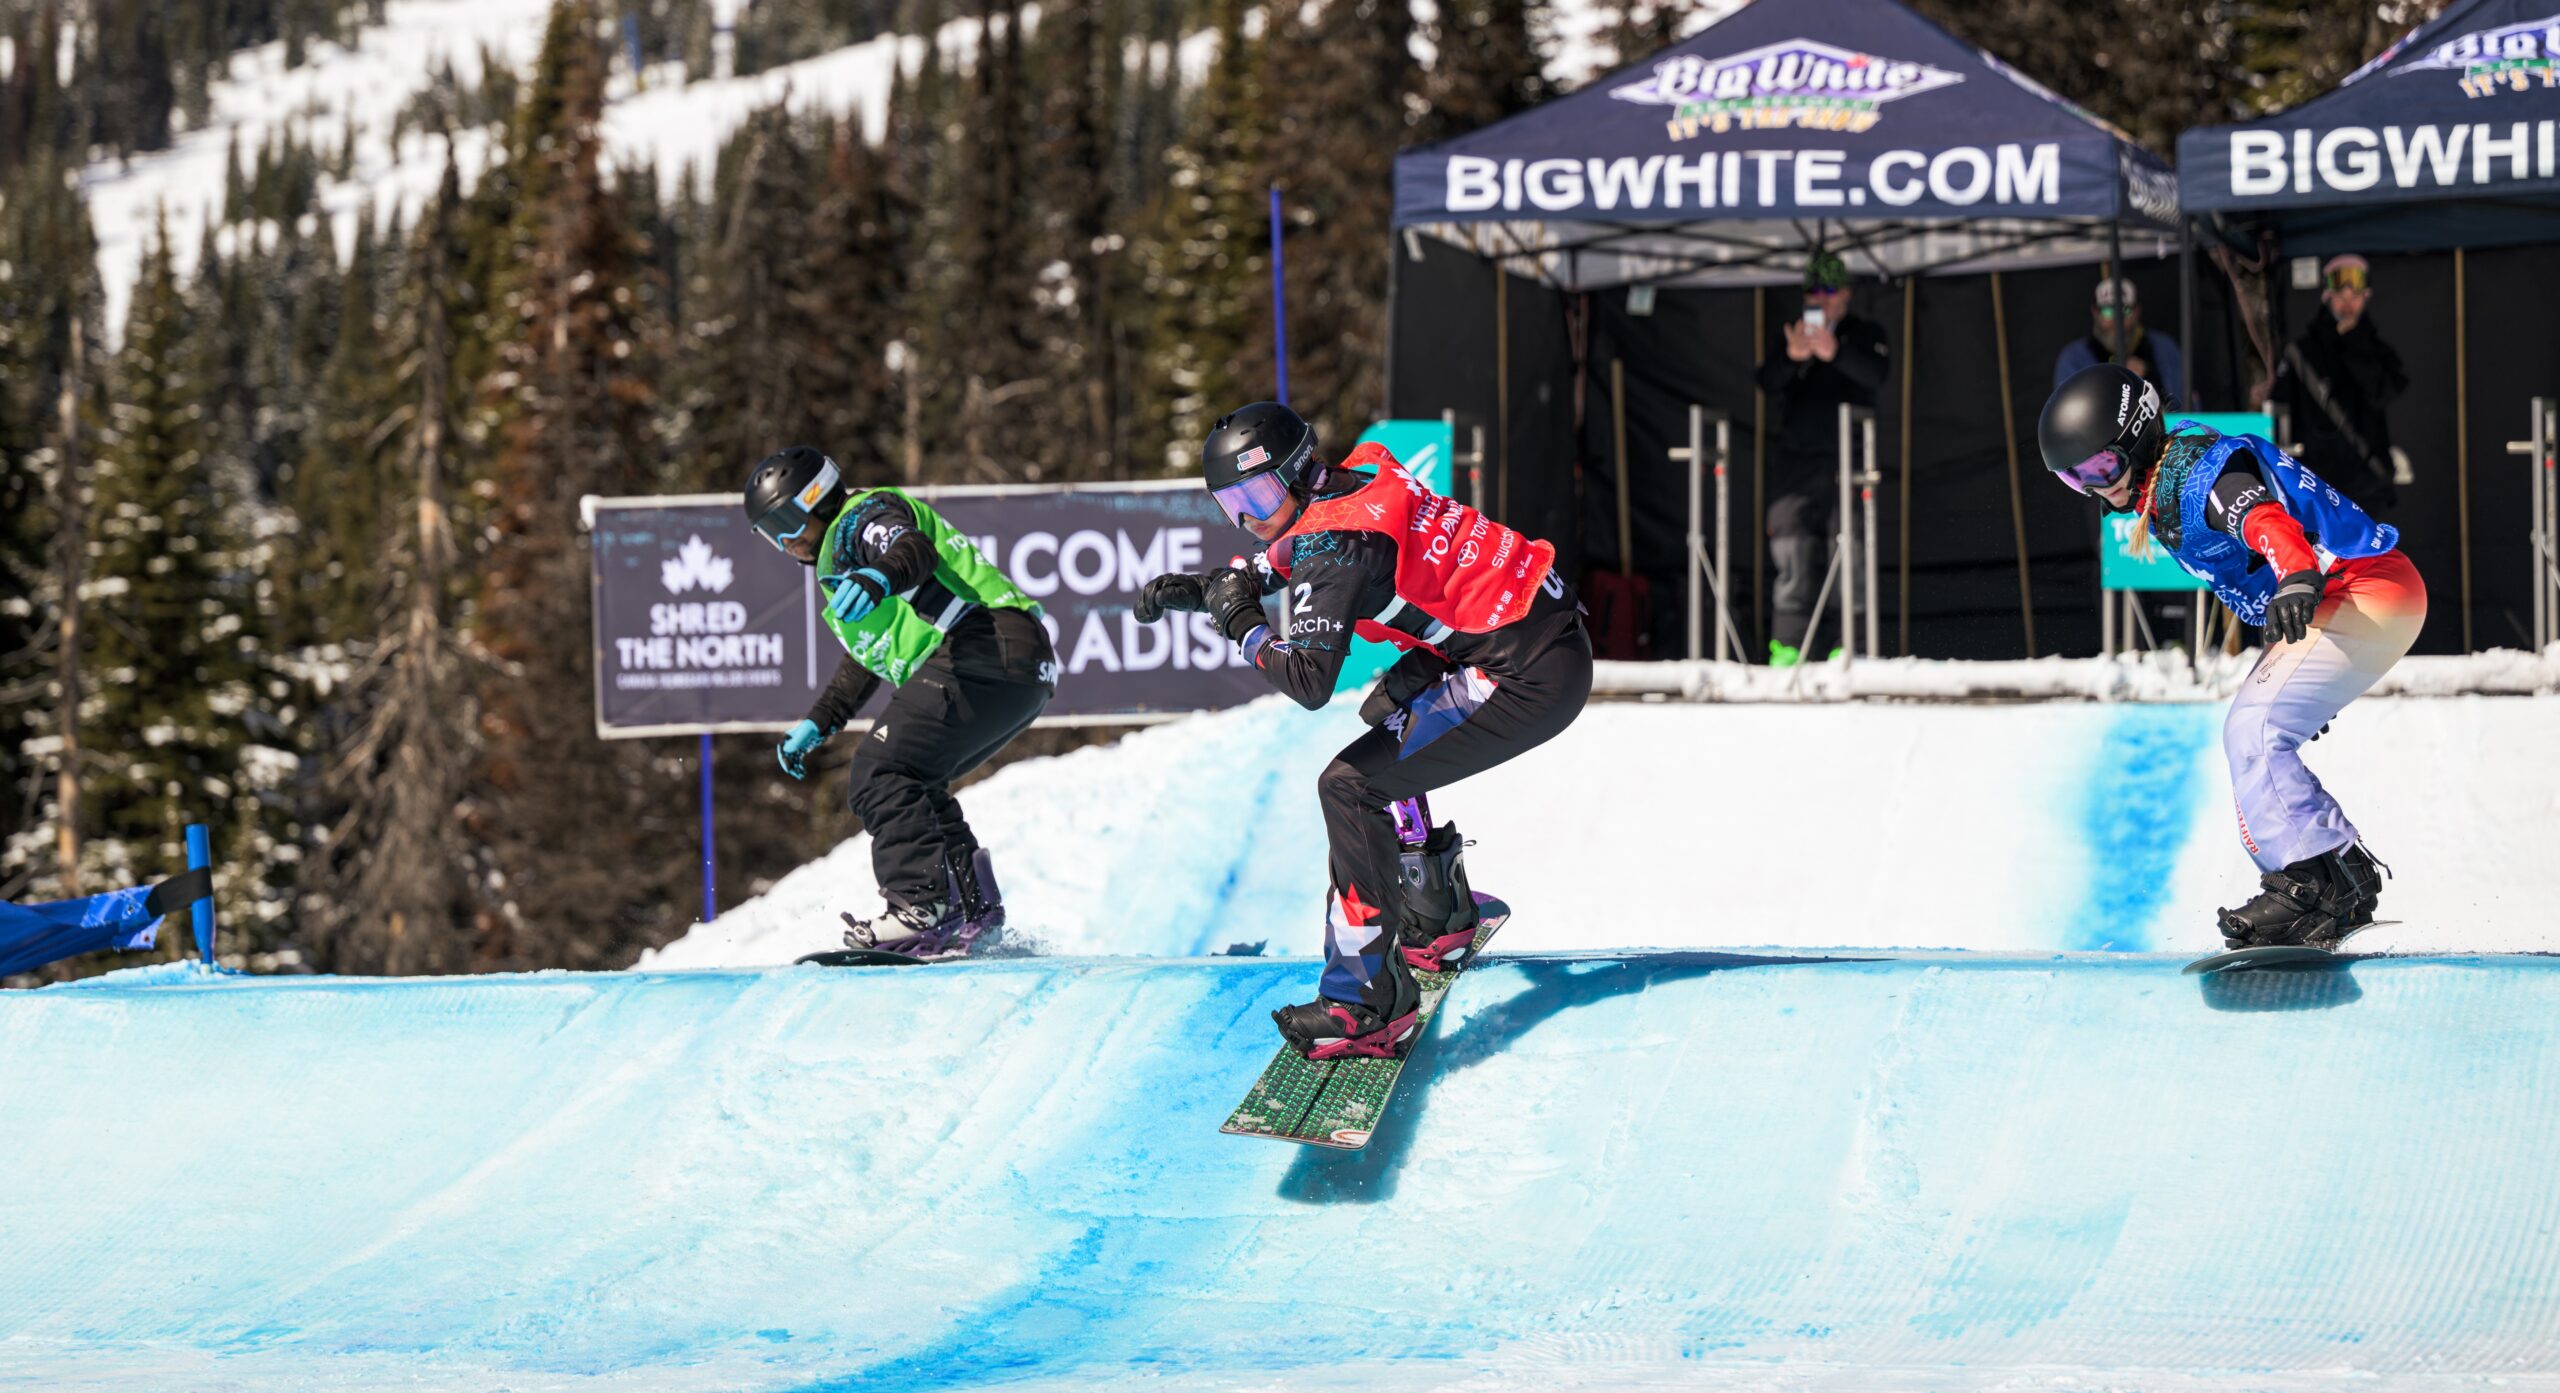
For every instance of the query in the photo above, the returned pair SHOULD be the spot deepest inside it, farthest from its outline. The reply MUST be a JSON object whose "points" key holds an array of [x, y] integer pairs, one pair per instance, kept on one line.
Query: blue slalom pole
{"points": [[710, 880], [1279, 304], [200, 857]]}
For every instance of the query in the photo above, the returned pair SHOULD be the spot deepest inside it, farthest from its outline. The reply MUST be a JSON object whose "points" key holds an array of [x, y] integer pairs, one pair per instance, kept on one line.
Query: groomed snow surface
{"points": [[2065, 825], [1681, 1170]]}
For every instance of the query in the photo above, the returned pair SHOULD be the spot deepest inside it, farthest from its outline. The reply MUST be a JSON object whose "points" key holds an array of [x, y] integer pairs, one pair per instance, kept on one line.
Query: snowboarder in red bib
{"points": [[1496, 661]]}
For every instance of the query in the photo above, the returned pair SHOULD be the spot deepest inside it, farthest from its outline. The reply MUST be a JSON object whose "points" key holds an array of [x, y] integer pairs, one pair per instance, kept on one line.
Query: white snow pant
{"points": [[2370, 616]]}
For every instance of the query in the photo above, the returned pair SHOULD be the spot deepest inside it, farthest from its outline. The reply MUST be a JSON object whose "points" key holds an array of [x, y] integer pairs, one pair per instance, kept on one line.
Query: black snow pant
{"points": [[1465, 725], [1801, 536], [938, 726]]}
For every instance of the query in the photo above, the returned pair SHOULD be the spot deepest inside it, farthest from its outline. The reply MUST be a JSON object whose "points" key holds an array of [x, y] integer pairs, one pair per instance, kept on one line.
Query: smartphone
{"points": [[1814, 318]]}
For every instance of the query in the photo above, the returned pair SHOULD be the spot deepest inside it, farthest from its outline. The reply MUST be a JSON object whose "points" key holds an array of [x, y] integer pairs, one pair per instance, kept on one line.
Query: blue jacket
{"points": [[2196, 457]]}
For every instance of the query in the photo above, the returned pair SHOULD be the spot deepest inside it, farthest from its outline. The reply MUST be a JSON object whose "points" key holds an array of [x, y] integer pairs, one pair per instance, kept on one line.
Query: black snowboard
{"points": [[2276, 955], [869, 957], [2282, 954]]}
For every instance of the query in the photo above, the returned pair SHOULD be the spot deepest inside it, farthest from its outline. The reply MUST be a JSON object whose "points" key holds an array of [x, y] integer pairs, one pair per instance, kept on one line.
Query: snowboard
{"points": [[1337, 1103], [2277, 954], [869, 957]]}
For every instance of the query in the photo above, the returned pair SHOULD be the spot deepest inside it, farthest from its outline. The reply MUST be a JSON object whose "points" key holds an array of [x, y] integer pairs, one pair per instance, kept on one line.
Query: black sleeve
{"points": [[1335, 579], [2235, 495], [1778, 371], [843, 698], [880, 532], [2394, 377], [1862, 354]]}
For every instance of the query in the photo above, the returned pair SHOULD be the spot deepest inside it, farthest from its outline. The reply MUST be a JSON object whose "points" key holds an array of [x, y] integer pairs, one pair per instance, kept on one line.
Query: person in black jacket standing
{"points": [[2337, 380], [1823, 358]]}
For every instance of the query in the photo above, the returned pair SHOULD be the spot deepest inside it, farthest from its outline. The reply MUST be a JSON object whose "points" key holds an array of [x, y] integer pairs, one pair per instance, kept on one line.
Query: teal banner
{"points": [[1425, 448]]}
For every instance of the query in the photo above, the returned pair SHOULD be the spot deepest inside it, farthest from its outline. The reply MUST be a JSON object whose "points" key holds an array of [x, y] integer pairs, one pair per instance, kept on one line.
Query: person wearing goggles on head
{"points": [[2336, 381], [1496, 661], [916, 605], [2285, 551]]}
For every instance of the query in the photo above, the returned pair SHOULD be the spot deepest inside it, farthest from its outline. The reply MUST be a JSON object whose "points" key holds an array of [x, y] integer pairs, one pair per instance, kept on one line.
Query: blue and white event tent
{"points": [[1851, 124], [2450, 138]]}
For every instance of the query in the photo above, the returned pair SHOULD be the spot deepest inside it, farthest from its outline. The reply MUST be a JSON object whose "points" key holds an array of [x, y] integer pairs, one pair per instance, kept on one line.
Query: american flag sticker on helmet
{"points": [[1252, 457]]}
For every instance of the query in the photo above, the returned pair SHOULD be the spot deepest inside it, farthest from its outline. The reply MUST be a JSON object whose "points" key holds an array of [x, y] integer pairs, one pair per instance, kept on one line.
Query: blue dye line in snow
{"points": [[2137, 811]]}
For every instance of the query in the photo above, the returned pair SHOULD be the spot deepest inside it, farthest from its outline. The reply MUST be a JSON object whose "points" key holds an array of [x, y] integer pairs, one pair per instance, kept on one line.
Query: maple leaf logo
{"points": [[695, 564]]}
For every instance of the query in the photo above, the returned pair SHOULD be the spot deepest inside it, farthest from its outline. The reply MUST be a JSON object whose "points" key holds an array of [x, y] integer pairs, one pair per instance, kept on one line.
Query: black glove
{"points": [[1173, 591], [2297, 598], [1233, 601]]}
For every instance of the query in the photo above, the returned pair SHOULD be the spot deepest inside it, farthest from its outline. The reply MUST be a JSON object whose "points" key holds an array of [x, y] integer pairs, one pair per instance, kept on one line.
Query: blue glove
{"points": [[851, 598], [801, 742]]}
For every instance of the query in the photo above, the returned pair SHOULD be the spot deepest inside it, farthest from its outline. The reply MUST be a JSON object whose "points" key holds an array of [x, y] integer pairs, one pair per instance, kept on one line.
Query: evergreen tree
{"points": [[754, 345], [587, 837], [389, 888], [852, 298], [1078, 203], [1489, 65], [337, 484], [1344, 95], [178, 668], [1204, 266]]}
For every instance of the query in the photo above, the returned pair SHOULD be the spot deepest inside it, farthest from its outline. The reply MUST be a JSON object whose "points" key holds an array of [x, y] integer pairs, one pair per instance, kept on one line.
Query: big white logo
{"points": [[2511, 58], [1798, 82], [696, 564]]}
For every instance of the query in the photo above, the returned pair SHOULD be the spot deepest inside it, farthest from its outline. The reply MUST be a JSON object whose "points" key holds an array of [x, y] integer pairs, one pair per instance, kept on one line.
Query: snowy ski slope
{"points": [[656, 119], [1691, 1170], [2062, 825]]}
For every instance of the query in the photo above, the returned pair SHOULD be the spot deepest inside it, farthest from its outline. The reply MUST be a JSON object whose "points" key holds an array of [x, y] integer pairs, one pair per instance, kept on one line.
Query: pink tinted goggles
{"points": [[1255, 496], [2097, 473]]}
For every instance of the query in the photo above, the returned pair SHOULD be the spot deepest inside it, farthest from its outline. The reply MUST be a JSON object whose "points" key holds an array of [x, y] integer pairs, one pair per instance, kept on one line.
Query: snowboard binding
{"points": [[1438, 929], [2315, 902], [932, 930]]}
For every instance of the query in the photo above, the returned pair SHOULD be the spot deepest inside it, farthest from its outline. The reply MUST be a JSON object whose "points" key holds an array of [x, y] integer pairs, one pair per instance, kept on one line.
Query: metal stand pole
{"points": [[1728, 635], [1472, 457], [1868, 478], [2539, 448], [1713, 565], [2107, 622], [1847, 558]]}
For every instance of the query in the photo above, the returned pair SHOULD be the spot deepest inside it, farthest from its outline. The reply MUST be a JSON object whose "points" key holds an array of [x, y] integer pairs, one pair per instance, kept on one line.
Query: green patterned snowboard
{"points": [[1337, 1102]]}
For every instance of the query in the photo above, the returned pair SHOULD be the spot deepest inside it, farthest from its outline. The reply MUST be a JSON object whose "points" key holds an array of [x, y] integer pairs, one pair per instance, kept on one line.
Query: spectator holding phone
{"points": [[1824, 357]]}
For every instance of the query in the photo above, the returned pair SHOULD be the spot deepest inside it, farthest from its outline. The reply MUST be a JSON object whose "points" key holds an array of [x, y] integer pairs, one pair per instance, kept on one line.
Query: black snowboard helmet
{"points": [[791, 491], [1256, 458], [2101, 424]]}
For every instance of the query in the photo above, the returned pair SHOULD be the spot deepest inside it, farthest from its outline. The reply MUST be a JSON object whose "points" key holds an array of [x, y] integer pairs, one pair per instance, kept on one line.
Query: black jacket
{"points": [[2362, 375], [1809, 394]]}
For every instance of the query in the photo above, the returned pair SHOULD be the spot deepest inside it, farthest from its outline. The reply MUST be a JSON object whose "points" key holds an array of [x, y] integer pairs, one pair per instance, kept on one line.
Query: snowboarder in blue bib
{"points": [[916, 605], [2338, 602]]}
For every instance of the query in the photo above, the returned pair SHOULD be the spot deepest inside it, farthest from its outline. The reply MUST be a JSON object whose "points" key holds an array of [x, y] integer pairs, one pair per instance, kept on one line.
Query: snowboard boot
{"points": [[919, 930], [1438, 931], [2361, 876], [974, 890], [2312, 902], [1381, 1028]]}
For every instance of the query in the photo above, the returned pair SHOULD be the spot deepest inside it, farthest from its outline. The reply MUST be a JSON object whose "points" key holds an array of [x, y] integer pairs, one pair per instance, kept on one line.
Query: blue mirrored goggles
{"points": [[2097, 473], [1255, 496], [785, 522]]}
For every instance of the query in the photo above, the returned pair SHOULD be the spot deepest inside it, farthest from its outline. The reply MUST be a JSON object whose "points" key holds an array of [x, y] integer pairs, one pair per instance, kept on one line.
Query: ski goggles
{"points": [[784, 522], [1255, 496], [2098, 473], [2350, 277]]}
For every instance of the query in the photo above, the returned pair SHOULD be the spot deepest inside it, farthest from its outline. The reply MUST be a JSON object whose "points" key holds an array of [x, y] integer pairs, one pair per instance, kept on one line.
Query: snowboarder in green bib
{"points": [[916, 605]]}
